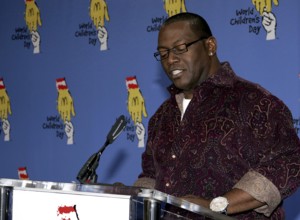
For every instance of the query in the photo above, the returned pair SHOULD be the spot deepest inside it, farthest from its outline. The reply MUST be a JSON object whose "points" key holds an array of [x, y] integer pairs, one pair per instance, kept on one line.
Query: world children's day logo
{"points": [[29, 34], [95, 30], [62, 123], [256, 17], [137, 110], [171, 7]]}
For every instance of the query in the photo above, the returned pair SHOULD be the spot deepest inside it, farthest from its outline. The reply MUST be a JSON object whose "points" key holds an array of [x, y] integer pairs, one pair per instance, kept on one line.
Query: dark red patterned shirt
{"points": [[230, 127]]}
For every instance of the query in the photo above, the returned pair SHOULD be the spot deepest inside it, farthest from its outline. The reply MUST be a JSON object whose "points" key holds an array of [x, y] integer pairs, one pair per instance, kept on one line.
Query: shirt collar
{"points": [[224, 77]]}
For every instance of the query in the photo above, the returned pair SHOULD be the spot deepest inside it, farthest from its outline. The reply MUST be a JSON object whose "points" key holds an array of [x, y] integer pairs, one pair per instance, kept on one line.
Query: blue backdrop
{"points": [[51, 49]]}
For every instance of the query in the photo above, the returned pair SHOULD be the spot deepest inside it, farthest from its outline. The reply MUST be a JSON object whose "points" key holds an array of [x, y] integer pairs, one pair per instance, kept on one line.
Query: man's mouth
{"points": [[175, 72]]}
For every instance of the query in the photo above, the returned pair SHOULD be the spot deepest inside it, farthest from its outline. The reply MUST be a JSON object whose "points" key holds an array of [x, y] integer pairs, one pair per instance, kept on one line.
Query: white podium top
{"points": [[40, 198]]}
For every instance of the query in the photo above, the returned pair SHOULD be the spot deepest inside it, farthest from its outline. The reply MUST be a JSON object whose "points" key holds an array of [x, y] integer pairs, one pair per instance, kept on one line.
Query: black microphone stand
{"points": [[88, 174]]}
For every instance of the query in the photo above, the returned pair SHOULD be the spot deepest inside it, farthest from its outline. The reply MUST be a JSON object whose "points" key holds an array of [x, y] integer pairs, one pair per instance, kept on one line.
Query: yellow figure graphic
{"points": [[99, 13], [269, 22], [65, 107], [264, 5], [174, 7], [33, 20], [5, 110], [136, 108]]}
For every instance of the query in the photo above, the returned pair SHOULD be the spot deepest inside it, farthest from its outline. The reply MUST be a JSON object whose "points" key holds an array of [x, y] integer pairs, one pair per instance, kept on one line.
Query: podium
{"points": [[35, 200]]}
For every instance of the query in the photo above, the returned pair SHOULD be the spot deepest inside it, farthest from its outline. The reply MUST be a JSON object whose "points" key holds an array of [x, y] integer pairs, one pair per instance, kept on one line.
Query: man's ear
{"points": [[211, 45]]}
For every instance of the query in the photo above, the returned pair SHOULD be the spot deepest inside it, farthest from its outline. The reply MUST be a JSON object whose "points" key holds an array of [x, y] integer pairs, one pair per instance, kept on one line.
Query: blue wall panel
{"points": [[95, 74]]}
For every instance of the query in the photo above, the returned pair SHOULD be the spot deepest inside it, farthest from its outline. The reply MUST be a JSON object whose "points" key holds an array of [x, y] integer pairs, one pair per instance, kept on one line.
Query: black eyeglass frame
{"points": [[157, 54]]}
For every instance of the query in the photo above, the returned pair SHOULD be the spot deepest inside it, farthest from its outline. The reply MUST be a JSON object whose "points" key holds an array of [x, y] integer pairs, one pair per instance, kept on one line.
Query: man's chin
{"points": [[179, 84]]}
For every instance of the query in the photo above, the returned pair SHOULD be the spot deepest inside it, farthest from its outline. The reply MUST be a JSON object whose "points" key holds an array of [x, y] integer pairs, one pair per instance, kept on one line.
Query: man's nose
{"points": [[172, 57]]}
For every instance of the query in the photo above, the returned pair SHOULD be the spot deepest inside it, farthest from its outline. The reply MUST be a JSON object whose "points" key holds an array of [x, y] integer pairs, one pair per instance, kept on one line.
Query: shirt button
{"points": [[167, 184], [173, 156]]}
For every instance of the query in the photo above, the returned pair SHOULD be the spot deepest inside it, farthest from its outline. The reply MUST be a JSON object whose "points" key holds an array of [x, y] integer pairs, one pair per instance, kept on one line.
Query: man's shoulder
{"points": [[253, 94], [250, 87]]}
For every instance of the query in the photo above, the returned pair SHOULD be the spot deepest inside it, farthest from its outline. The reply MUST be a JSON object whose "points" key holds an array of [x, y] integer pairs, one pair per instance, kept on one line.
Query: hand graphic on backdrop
{"points": [[65, 105], [269, 23], [140, 133], [98, 13], [136, 108], [102, 36], [69, 130], [5, 110], [264, 5], [36, 40], [33, 20], [135, 103], [65, 108], [6, 129], [32, 15], [174, 7]]}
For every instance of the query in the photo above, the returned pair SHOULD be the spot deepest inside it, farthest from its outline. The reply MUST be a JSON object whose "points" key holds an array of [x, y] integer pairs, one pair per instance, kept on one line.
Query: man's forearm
{"points": [[240, 201]]}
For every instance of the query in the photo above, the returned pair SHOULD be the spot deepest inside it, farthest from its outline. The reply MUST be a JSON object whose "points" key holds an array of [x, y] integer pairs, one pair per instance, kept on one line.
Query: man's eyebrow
{"points": [[176, 43]]}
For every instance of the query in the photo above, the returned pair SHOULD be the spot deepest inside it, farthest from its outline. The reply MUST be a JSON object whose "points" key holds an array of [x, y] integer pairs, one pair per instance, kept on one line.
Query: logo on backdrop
{"points": [[29, 34], [62, 123], [171, 7], [156, 23], [65, 108], [95, 30], [174, 7], [5, 111], [22, 173], [136, 108], [256, 17], [33, 20], [67, 213]]}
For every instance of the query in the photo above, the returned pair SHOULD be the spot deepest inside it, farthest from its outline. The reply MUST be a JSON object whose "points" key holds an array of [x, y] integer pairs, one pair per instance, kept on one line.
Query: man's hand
{"points": [[264, 5], [174, 7], [32, 15], [98, 12]]}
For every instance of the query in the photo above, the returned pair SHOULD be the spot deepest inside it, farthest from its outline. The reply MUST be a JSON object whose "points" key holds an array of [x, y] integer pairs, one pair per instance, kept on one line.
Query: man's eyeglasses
{"points": [[179, 49]]}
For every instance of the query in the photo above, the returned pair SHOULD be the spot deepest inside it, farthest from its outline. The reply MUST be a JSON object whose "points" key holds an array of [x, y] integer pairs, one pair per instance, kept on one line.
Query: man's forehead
{"points": [[176, 29]]}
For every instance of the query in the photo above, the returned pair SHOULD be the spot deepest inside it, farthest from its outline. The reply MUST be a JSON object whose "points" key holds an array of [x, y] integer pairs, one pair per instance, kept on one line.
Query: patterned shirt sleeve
{"points": [[278, 147]]}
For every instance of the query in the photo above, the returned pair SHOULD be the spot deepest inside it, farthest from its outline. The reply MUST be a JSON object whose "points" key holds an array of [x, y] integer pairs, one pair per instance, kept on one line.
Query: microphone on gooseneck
{"points": [[115, 131], [87, 173]]}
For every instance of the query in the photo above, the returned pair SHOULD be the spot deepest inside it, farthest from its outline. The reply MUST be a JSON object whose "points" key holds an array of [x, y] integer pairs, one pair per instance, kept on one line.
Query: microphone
{"points": [[115, 131], [87, 173]]}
